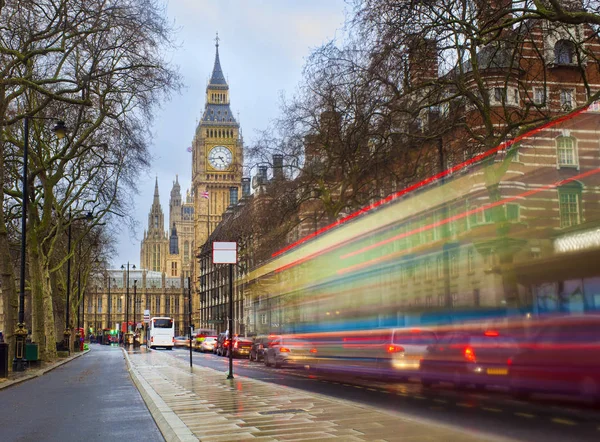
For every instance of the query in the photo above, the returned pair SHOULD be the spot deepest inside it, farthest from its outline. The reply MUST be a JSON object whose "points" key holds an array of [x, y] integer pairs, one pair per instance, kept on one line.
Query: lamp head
{"points": [[122, 266], [133, 267], [60, 130]]}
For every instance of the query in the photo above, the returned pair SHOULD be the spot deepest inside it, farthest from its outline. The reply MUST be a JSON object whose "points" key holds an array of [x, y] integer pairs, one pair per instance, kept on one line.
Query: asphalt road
{"points": [[91, 398], [543, 418]]}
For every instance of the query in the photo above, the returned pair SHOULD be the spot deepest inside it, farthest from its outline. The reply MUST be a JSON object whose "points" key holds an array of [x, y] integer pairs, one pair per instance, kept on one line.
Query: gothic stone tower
{"points": [[217, 159], [155, 244]]}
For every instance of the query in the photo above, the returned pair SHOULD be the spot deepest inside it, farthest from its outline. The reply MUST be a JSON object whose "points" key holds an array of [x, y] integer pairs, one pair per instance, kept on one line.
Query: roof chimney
{"points": [[245, 187], [277, 166], [422, 61]]}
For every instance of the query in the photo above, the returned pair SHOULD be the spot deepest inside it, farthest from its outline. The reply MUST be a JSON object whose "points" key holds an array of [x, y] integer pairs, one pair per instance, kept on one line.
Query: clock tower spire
{"points": [[217, 155]]}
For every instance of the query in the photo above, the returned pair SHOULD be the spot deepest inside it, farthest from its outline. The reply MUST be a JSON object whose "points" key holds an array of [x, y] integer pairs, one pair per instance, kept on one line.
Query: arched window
{"points": [[564, 52], [566, 151]]}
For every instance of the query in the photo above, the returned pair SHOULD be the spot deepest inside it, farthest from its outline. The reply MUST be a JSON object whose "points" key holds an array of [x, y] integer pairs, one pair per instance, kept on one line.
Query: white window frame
{"points": [[575, 155], [564, 105], [544, 101], [561, 208]]}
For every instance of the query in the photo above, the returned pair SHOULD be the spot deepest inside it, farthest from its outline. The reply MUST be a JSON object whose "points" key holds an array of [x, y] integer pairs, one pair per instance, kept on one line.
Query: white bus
{"points": [[161, 332]]}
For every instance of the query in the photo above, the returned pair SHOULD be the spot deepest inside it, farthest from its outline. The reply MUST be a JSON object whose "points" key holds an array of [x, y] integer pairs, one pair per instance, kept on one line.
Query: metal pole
{"points": [[230, 325], [67, 332], [127, 303], [109, 307], [190, 314], [19, 362], [134, 305], [80, 299]]}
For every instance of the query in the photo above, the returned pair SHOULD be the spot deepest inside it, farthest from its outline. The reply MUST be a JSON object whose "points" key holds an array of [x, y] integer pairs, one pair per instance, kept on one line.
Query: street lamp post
{"points": [[134, 301], [19, 362], [67, 332], [127, 297]]}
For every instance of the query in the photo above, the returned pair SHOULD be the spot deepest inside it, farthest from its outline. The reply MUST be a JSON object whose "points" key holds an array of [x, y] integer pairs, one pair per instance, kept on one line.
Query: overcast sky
{"points": [[263, 46]]}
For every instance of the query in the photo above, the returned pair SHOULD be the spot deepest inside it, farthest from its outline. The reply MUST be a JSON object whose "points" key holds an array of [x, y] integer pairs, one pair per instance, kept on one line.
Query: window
{"points": [[567, 102], [119, 305], [100, 304], [147, 302], [428, 269], [539, 96], [454, 263], [564, 52], [440, 266], [569, 202], [499, 95], [471, 260], [157, 305], [565, 151], [512, 212], [176, 305], [429, 301], [168, 305], [263, 319]]}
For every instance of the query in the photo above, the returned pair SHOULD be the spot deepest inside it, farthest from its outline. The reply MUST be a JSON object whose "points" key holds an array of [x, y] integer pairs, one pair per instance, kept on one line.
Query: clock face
{"points": [[220, 158]]}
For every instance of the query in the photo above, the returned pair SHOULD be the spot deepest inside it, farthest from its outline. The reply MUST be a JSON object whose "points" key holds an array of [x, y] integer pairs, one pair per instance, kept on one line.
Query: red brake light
{"points": [[393, 348], [313, 350], [173, 340], [491, 333], [415, 330], [509, 361], [151, 338], [284, 350], [469, 354]]}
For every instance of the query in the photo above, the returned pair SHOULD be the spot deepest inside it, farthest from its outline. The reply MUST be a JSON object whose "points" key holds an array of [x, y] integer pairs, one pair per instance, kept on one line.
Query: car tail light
{"points": [[313, 350], [469, 354], [393, 348], [173, 340], [492, 333], [151, 338], [284, 350], [509, 361]]}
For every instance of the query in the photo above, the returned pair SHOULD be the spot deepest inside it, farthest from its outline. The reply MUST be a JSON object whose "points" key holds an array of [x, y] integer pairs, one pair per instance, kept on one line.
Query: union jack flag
{"points": [[204, 195]]}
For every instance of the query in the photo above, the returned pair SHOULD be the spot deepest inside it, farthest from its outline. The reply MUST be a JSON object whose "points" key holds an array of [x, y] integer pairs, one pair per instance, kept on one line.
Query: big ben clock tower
{"points": [[217, 156]]}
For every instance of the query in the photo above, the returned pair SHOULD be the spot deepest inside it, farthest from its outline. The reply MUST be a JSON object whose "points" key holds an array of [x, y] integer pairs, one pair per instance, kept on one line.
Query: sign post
{"points": [[226, 253], [189, 280]]}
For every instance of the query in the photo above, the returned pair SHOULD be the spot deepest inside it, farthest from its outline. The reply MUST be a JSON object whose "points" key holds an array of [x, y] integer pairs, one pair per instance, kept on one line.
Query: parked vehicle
{"points": [[241, 347], [207, 344], [563, 357], [287, 350], [222, 344], [469, 357], [259, 345], [181, 341]]}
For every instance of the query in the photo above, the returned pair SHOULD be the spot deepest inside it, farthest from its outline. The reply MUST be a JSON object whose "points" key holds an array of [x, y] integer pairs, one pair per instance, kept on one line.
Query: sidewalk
{"points": [[33, 372], [203, 404]]}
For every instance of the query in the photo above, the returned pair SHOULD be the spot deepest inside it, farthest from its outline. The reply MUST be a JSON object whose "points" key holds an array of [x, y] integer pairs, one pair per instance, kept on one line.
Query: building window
{"points": [[567, 99], [499, 95], [157, 305], [512, 212], [564, 52], [471, 260], [176, 305], [99, 304], [440, 266], [174, 269], [119, 305], [429, 300], [539, 96], [263, 319], [428, 269], [569, 201], [565, 147], [454, 264]]}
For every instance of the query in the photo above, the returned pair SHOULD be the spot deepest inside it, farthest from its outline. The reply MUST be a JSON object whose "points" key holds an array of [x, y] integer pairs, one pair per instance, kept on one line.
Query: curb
{"points": [[41, 372], [170, 425]]}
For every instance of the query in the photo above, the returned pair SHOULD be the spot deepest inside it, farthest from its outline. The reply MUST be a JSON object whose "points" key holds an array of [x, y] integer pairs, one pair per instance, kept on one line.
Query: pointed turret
{"points": [[156, 197], [217, 77]]}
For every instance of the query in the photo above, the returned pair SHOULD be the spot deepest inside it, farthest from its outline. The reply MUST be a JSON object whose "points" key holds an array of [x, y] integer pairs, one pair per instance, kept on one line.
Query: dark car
{"points": [[259, 345], [469, 357], [241, 347], [220, 348], [562, 357]]}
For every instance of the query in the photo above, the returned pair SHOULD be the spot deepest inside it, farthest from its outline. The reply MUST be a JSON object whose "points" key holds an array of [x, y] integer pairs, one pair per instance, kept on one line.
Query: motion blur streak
{"points": [[486, 278]]}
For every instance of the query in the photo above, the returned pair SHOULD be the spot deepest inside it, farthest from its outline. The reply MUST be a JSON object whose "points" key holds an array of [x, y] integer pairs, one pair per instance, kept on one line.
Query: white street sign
{"points": [[224, 252]]}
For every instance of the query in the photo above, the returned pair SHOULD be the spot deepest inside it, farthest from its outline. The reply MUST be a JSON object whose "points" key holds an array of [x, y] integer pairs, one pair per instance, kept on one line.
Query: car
{"points": [[289, 351], [207, 344], [241, 347], [563, 357], [182, 341], [405, 350], [469, 357], [259, 345], [222, 344]]}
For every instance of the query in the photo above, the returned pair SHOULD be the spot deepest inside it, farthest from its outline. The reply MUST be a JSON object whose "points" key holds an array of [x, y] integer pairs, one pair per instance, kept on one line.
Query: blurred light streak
{"points": [[450, 219], [435, 177]]}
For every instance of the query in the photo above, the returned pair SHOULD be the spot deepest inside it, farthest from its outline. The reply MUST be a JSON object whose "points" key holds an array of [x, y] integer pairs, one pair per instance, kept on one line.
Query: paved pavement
{"points": [[89, 399], [201, 403]]}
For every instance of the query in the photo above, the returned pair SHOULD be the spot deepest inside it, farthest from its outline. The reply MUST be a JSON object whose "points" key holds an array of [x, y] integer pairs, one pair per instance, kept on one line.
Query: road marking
{"points": [[416, 396], [372, 389], [558, 420], [527, 415], [441, 401], [387, 392], [358, 386], [464, 404], [493, 410]]}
